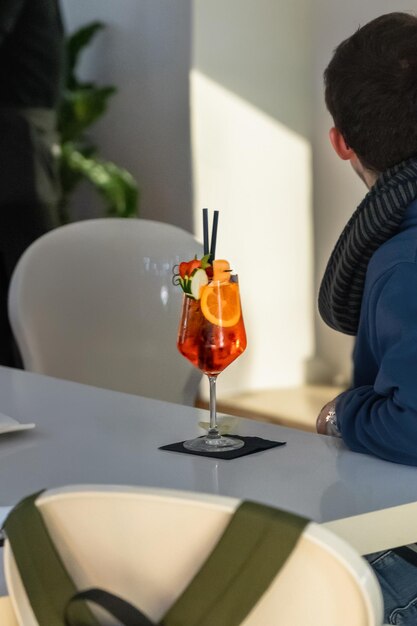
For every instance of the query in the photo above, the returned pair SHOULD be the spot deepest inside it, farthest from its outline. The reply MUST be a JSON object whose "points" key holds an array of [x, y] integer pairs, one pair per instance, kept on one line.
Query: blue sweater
{"points": [[378, 415]]}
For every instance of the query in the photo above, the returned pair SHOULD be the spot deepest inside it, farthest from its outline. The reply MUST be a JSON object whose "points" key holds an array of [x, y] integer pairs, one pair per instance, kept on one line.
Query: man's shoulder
{"points": [[394, 253]]}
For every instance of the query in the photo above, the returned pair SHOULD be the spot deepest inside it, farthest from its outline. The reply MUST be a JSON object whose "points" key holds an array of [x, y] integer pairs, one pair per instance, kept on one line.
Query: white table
{"points": [[89, 435]]}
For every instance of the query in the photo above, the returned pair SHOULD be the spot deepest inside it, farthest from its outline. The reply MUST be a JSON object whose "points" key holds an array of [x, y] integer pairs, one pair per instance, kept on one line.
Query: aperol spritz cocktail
{"points": [[212, 335]]}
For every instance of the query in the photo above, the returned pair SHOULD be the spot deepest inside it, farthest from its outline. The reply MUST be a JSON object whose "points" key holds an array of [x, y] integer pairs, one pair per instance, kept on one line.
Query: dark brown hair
{"points": [[371, 90]]}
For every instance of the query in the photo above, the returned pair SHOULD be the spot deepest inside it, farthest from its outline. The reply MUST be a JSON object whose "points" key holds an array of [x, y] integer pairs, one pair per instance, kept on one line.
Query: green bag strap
{"points": [[254, 546], [243, 564], [44, 576], [124, 612]]}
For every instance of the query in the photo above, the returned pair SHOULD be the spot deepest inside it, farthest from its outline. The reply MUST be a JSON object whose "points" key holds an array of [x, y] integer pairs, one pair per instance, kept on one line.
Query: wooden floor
{"points": [[296, 407]]}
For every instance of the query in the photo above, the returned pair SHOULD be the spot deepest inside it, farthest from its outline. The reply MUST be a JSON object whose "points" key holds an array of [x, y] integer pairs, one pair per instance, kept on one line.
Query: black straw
{"points": [[205, 231], [214, 237]]}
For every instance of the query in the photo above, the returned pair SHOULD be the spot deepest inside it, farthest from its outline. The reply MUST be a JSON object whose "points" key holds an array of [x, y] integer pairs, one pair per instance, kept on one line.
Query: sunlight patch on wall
{"points": [[257, 173]]}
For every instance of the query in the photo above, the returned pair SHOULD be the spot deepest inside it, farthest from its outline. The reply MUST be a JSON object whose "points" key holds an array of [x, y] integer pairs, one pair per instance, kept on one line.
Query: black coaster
{"points": [[252, 445]]}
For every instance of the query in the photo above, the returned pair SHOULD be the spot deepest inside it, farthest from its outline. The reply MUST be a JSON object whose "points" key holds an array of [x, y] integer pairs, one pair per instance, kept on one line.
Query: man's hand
{"points": [[321, 423]]}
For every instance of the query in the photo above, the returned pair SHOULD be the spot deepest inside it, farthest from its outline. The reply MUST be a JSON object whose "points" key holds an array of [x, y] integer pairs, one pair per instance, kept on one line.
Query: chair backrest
{"points": [[7, 616], [94, 302], [145, 545]]}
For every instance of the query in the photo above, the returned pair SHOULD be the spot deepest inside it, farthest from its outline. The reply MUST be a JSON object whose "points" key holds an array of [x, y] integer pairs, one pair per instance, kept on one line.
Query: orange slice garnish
{"points": [[220, 303], [221, 270]]}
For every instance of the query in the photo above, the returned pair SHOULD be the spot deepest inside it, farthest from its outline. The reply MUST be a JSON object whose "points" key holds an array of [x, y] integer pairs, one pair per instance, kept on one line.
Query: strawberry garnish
{"points": [[192, 275]]}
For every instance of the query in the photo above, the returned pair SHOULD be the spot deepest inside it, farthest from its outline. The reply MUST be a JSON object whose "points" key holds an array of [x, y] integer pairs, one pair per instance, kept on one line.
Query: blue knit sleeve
{"points": [[382, 419]]}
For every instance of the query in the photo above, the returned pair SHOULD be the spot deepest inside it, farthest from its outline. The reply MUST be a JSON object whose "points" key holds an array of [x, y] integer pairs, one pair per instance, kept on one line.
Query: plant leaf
{"points": [[115, 184], [82, 103], [81, 108], [75, 44]]}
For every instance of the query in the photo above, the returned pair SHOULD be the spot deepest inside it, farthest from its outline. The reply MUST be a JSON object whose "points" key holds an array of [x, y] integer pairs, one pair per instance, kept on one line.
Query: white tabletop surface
{"points": [[89, 435]]}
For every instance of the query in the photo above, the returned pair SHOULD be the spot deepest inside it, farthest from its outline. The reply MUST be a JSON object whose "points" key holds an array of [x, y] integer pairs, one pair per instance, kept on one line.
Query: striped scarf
{"points": [[376, 219]]}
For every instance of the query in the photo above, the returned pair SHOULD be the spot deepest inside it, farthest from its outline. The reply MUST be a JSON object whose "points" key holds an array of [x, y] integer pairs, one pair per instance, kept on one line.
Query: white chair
{"points": [[7, 614], [94, 302], [146, 544]]}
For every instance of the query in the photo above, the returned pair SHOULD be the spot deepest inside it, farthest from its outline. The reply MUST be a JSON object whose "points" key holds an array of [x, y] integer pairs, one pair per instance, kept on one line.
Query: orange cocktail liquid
{"points": [[209, 347]]}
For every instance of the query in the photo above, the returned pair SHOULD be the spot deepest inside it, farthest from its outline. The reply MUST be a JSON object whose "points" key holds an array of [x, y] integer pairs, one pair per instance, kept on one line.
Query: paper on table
{"points": [[226, 424], [9, 425]]}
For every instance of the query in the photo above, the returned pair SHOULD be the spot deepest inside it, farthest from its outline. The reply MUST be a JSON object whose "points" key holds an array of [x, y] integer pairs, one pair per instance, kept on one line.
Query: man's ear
{"points": [[339, 144]]}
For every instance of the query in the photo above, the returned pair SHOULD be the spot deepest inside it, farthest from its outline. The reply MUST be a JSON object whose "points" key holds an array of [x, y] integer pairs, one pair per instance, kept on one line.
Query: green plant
{"points": [[81, 105]]}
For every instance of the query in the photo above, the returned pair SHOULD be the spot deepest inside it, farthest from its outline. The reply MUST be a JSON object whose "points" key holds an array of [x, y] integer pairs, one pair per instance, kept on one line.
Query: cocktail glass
{"points": [[212, 335]]}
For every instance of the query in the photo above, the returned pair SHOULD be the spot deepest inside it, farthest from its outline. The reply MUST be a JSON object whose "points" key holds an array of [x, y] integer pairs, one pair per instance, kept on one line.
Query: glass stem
{"points": [[213, 432]]}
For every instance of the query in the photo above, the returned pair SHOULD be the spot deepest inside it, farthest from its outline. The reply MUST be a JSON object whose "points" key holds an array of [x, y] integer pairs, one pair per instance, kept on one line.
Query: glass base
{"points": [[213, 444]]}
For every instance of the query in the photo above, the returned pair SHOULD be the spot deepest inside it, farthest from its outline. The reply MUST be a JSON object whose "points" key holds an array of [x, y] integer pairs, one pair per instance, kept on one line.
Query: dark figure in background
{"points": [[31, 54], [369, 288]]}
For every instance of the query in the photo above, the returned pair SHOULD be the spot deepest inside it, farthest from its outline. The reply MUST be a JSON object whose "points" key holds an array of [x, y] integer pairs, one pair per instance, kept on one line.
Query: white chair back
{"points": [[145, 545], [94, 302], [7, 615]]}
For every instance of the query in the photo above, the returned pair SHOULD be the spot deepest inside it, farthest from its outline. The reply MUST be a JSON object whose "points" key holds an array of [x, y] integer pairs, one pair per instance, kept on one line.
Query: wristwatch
{"points": [[332, 428]]}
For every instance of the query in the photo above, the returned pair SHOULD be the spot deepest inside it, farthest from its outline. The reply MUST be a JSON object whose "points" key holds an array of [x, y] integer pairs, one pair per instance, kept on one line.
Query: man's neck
{"points": [[369, 177]]}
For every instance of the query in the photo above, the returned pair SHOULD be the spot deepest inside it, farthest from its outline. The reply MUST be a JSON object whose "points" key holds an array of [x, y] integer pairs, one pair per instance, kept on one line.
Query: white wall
{"points": [[257, 173], [260, 51], [252, 161], [144, 51]]}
